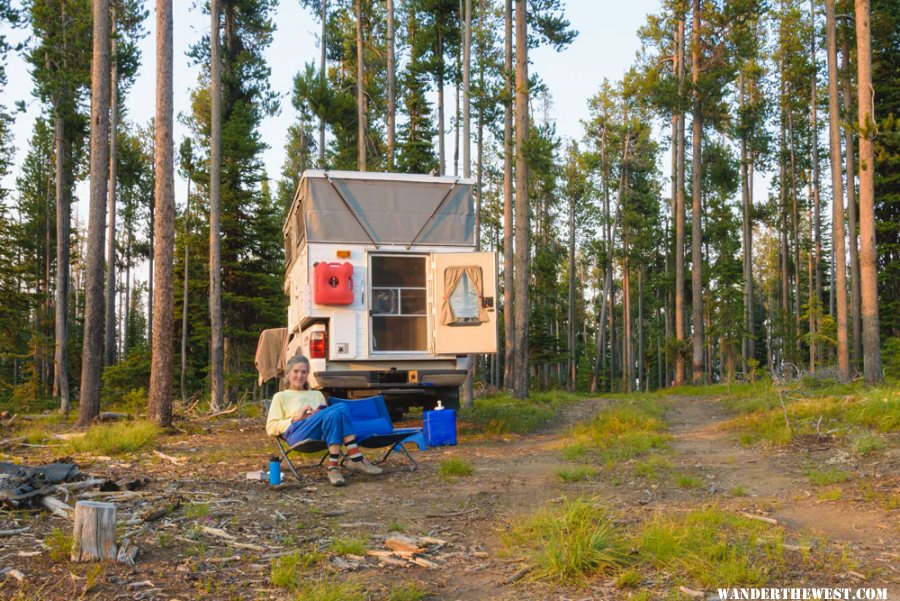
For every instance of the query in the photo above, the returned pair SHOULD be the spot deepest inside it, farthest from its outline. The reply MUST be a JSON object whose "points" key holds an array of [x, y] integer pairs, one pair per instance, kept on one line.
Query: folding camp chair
{"points": [[374, 429], [308, 445]]}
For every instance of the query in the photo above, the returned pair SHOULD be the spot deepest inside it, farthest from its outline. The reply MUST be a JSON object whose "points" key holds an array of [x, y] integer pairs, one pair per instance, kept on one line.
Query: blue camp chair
{"points": [[372, 426]]}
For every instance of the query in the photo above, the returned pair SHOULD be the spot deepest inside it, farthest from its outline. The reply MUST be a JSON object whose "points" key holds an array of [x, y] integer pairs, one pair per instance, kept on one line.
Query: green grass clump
{"points": [[576, 474], [710, 546], [739, 491], [287, 570], [628, 579], [622, 432], [831, 494], [117, 439], [35, 435], [503, 414], [568, 542], [826, 477], [408, 591], [688, 481], [349, 546], [651, 468], [866, 444], [330, 589], [60, 544], [454, 467], [196, 511]]}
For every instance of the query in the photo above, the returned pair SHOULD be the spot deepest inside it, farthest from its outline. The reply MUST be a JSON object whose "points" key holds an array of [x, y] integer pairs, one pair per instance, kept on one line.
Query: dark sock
{"points": [[353, 452], [333, 460]]}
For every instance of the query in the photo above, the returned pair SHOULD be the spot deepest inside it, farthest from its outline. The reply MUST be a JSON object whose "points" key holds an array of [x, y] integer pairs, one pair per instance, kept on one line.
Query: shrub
{"points": [[116, 439]]}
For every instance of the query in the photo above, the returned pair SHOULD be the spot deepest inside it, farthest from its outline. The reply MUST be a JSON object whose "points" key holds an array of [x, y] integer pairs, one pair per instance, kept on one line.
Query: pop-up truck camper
{"points": [[387, 293]]}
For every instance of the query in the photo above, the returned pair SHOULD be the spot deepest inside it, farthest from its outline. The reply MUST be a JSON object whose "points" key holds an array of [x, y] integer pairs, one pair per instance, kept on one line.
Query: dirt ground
{"points": [[248, 522]]}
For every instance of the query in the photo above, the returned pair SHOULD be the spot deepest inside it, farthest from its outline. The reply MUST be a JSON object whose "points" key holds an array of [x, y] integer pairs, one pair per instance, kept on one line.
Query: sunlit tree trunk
{"points": [[185, 289], [469, 392], [360, 91], [679, 211], [852, 225], [391, 94], [868, 275], [322, 78], [159, 405], [63, 218], [696, 208], [109, 343], [523, 250], [816, 299], [509, 318], [840, 282], [217, 336], [92, 348]]}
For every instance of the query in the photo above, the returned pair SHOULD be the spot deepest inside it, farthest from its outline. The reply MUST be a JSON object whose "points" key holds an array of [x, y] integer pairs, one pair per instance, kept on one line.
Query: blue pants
{"points": [[332, 424]]}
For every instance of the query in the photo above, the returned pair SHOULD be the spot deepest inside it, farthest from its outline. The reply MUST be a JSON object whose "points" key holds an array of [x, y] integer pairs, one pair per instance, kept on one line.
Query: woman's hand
{"points": [[302, 414]]}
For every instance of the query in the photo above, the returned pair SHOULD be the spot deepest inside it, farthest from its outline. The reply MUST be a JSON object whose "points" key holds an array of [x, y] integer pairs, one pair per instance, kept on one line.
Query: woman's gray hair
{"points": [[296, 359]]}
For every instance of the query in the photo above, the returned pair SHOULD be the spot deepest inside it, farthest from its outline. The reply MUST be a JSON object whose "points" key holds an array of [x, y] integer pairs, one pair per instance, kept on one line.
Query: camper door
{"points": [[465, 297]]}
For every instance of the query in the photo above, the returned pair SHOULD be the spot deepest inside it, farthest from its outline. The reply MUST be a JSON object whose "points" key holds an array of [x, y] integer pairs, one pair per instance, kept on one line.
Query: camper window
{"points": [[462, 306], [398, 303]]}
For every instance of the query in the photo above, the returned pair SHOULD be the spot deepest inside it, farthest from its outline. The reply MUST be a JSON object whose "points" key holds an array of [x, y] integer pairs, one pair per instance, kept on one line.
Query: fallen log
{"points": [[57, 507]]}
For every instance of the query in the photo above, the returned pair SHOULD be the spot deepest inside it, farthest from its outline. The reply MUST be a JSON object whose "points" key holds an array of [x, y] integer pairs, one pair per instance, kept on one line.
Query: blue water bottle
{"points": [[274, 471]]}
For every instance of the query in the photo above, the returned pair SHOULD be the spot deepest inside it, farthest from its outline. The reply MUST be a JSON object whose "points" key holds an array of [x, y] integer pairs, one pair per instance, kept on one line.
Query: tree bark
{"points": [[523, 250], [509, 319], [816, 304], [391, 94], [642, 378], [110, 324], [679, 211], [468, 392], [159, 405], [217, 335], [696, 208], [601, 322], [852, 225], [570, 376], [92, 348], [747, 231], [442, 155], [322, 78], [185, 291], [360, 92], [839, 283], [867, 251], [63, 219]]}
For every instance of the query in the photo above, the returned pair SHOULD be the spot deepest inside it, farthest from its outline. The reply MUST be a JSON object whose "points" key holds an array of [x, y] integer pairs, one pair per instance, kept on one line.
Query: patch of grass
{"points": [[330, 589], [628, 579], [59, 543], [349, 546], [116, 439], [286, 570], [866, 444], [619, 433], [408, 591], [739, 491], [651, 468], [688, 481], [568, 542], [826, 477], [396, 526], [575, 451], [710, 546], [35, 435], [576, 474], [831, 494], [196, 511], [503, 414], [454, 467]]}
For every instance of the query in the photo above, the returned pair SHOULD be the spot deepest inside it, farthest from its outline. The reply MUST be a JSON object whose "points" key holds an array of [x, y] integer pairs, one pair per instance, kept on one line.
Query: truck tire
{"points": [[447, 395]]}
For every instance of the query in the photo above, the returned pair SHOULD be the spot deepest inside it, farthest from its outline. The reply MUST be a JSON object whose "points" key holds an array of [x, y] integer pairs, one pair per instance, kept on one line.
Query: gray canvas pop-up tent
{"points": [[383, 209]]}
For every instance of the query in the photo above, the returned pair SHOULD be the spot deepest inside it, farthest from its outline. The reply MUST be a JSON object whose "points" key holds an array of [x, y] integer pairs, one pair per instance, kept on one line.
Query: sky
{"points": [[605, 48]]}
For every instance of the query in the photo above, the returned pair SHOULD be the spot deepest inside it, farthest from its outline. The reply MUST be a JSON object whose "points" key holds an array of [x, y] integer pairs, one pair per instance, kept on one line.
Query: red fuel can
{"points": [[333, 283]]}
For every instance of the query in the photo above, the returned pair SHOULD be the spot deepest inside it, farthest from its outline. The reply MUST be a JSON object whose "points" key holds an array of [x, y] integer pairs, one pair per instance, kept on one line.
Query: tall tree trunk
{"points": [[469, 392], [601, 322], [63, 218], [442, 154], [322, 78], [126, 307], [391, 94], [867, 251], [217, 335], [747, 232], [523, 249], [840, 282], [795, 237], [185, 290], [816, 302], [570, 376], [360, 91], [110, 325], [159, 402], [509, 319], [642, 376], [852, 225], [679, 212], [696, 209], [92, 349]]}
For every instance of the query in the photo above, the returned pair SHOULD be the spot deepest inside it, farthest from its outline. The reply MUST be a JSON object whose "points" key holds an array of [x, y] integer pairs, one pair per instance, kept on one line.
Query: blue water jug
{"points": [[440, 426], [274, 471]]}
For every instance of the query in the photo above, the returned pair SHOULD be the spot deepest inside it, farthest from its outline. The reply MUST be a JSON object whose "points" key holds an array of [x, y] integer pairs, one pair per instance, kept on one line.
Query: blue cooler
{"points": [[440, 427]]}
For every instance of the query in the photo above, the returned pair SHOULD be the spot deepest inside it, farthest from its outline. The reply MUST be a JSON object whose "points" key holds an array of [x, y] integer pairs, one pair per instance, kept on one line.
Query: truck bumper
{"points": [[380, 380]]}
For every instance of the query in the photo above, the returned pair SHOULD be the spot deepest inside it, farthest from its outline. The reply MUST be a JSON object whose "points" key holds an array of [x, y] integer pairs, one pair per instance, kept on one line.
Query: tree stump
{"points": [[94, 533]]}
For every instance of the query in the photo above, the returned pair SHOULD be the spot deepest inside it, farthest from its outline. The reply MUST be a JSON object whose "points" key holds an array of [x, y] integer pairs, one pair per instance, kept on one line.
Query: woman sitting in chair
{"points": [[299, 413]]}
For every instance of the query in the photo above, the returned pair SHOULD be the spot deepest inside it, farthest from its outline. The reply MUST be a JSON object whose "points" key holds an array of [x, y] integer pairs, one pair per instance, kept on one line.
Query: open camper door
{"points": [[465, 298]]}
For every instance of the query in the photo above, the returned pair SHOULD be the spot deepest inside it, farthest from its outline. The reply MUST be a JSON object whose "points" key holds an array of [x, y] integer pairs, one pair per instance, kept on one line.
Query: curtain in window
{"points": [[452, 278]]}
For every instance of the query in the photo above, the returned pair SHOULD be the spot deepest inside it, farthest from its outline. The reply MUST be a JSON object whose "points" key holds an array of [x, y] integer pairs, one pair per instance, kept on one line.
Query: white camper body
{"points": [[387, 293]]}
